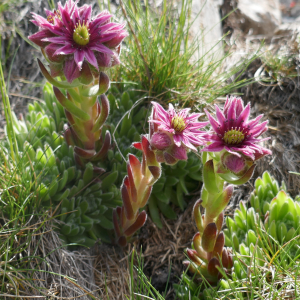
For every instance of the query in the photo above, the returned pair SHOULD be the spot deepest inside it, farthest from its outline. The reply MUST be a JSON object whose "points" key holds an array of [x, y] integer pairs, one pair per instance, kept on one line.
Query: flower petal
{"points": [[215, 125], [38, 38], [90, 57], [177, 139], [65, 50], [243, 118], [101, 48], [71, 70], [214, 147], [79, 57]]}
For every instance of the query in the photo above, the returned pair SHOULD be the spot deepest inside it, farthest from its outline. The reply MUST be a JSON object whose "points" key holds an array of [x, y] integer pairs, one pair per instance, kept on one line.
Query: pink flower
{"points": [[70, 37], [173, 133], [233, 132]]}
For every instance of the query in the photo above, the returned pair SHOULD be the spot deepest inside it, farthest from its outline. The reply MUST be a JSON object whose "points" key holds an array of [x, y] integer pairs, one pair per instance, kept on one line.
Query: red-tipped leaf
{"points": [[103, 83], [140, 221], [135, 168], [212, 267], [193, 256], [219, 245], [85, 154], [68, 137], [225, 259], [150, 156], [169, 159], [105, 147], [138, 146], [209, 237], [155, 171], [219, 221], [133, 191], [129, 213]]}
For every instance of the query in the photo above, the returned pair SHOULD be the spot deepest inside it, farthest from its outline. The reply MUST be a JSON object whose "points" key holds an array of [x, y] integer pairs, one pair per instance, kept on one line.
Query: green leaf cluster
{"points": [[84, 202]]}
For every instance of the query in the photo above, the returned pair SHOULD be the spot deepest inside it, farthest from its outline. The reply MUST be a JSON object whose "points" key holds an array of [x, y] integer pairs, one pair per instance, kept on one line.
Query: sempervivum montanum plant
{"points": [[175, 181], [279, 225], [78, 49], [86, 206], [229, 157], [258, 238], [171, 135]]}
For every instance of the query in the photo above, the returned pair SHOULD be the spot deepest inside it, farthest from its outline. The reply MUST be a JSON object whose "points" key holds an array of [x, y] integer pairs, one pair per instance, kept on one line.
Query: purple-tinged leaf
{"points": [[103, 83], [193, 256], [169, 159], [105, 147], [139, 222], [133, 191], [219, 221], [225, 259], [150, 156], [156, 172], [103, 115], [219, 245], [68, 137], [83, 153], [98, 171], [129, 213], [209, 237], [135, 168], [211, 267]]}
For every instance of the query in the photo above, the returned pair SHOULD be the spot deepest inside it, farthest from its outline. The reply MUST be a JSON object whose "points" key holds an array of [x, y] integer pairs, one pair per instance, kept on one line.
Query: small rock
{"points": [[206, 27], [256, 17]]}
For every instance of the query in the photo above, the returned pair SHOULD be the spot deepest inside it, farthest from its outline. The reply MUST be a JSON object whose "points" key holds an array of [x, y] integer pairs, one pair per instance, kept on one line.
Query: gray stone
{"points": [[259, 16], [207, 27]]}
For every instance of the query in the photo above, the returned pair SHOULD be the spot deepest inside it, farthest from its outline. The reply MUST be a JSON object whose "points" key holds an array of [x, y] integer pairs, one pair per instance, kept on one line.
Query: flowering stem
{"points": [[135, 190], [209, 253], [86, 116]]}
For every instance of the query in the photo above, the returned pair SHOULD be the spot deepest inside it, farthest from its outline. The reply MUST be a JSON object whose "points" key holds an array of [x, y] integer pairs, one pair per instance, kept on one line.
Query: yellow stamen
{"points": [[81, 35], [50, 18], [233, 137], [178, 123]]}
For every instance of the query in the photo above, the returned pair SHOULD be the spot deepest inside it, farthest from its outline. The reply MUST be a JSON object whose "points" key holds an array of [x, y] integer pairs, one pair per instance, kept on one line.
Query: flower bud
{"points": [[235, 164], [160, 141]]}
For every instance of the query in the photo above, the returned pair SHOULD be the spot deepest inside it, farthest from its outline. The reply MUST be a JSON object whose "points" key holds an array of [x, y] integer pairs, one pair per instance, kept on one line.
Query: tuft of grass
{"points": [[140, 286], [280, 64], [159, 56]]}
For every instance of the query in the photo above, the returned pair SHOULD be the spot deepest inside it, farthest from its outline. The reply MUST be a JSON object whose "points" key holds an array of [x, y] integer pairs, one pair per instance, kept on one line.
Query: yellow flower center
{"points": [[178, 123], [81, 35], [233, 137]]}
